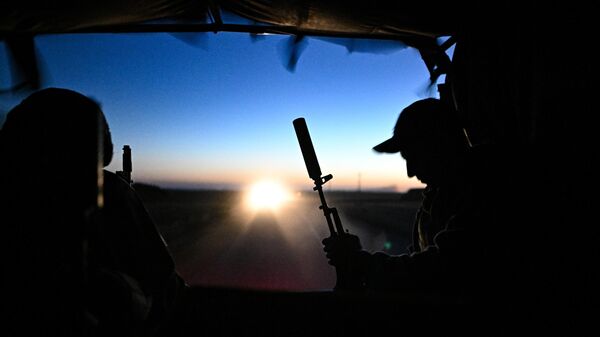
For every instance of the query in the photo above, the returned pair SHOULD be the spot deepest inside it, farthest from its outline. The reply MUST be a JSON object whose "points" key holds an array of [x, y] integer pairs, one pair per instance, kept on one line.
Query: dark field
{"points": [[216, 240]]}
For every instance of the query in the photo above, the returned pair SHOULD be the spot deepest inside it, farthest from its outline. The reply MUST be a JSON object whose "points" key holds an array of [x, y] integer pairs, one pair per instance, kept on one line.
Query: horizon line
{"points": [[187, 186]]}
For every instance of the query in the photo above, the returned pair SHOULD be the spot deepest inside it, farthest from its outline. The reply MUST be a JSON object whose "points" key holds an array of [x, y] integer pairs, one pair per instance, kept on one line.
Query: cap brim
{"points": [[389, 146]]}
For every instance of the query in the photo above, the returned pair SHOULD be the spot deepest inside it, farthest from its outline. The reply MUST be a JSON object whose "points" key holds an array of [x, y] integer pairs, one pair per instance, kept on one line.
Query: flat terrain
{"points": [[217, 240]]}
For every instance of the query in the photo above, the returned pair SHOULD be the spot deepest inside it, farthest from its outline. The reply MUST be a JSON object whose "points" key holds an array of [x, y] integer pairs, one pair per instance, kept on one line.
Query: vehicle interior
{"points": [[516, 74]]}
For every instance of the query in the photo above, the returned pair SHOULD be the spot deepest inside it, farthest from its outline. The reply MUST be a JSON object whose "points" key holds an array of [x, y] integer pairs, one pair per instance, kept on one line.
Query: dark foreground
{"points": [[263, 273]]}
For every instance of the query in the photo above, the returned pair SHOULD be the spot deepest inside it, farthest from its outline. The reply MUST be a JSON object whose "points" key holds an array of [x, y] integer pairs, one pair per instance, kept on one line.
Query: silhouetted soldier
{"points": [[433, 145], [452, 252], [82, 260]]}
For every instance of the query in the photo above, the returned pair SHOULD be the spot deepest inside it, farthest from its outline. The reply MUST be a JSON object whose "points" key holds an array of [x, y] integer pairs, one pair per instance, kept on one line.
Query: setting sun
{"points": [[267, 195]]}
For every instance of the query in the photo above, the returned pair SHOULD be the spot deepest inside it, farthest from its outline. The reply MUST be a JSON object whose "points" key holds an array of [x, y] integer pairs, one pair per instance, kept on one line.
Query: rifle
{"points": [[344, 281], [127, 166]]}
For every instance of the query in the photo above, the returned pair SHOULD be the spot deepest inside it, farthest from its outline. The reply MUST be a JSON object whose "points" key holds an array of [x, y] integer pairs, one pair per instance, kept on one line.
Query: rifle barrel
{"points": [[308, 150]]}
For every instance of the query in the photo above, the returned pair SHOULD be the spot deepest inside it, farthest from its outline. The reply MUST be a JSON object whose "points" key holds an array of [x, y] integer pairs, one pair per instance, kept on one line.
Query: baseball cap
{"points": [[420, 120]]}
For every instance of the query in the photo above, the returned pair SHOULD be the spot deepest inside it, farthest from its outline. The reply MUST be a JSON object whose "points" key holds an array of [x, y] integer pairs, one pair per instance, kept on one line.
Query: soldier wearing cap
{"points": [[433, 145], [438, 153]]}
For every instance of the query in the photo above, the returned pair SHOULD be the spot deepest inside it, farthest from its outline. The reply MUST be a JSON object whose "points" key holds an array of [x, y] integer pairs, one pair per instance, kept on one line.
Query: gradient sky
{"points": [[219, 113]]}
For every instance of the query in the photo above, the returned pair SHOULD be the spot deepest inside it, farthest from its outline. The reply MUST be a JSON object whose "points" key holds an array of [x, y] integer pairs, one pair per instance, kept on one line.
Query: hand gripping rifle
{"points": [[344, 280]]}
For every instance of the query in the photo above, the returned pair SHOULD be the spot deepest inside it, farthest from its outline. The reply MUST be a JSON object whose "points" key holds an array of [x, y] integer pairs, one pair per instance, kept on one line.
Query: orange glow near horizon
{"points": [[339, 183], [384, 175]]}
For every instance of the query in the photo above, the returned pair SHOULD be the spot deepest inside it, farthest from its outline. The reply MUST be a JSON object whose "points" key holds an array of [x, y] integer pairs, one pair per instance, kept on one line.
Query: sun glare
{"points": [[268, 195]]}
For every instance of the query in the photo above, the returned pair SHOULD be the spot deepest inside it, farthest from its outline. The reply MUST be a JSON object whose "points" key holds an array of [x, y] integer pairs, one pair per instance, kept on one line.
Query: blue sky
{"points": [[220, 113]]}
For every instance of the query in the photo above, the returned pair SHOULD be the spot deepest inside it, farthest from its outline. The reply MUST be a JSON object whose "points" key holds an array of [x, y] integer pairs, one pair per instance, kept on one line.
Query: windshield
{"points": [[209, 117]]}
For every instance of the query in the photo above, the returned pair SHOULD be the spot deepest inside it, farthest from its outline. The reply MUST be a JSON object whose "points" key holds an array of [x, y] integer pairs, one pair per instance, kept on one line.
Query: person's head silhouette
{"points": [[53, 125], [53, 145], [427, 136]]}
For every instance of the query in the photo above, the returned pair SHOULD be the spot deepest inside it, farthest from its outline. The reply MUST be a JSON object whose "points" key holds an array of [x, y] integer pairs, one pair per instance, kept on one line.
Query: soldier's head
{"points": [[55, 125], [427, 135]]}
